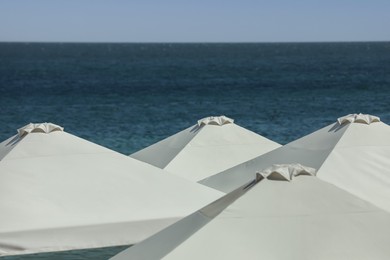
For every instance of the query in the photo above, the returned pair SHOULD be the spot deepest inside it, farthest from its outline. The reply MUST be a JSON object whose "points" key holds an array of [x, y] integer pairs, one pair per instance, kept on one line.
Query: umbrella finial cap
{"points": [[215, 120], [286, 171], [358, 118], [39, 128]]}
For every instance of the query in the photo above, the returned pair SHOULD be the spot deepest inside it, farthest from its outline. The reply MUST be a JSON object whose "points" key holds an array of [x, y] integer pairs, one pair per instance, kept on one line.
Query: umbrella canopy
{"points": [[213, 145], [60, 192], [302, 218], [352, 153]]}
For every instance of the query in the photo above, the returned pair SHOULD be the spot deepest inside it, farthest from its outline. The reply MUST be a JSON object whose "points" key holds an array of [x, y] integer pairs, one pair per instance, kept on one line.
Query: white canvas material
{"points": [[60, 192], [205, 149], [160, 244], [302, 219], [353, 156]]}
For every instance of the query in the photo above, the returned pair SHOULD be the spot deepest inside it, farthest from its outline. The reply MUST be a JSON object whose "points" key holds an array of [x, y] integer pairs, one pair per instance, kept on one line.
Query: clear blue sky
{"points": [[194, 21]]}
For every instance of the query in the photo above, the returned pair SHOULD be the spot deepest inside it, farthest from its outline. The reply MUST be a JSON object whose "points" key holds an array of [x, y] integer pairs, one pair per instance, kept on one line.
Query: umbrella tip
{"points": [[358, 118], [39, 128], [215, 120]]}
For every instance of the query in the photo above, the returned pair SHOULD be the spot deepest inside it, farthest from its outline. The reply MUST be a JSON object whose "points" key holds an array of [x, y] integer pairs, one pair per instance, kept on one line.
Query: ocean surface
{"points": [[128, 96]]}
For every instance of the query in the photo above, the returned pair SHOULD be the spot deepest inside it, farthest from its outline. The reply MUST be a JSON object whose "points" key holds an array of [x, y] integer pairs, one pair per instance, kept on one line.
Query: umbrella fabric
{"points": [[160, 244], [209, 147], [60, 192], [353, 156], [302, 219]]}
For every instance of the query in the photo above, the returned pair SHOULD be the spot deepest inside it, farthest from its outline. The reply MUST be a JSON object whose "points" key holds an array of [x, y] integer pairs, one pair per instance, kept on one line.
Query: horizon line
{"points": [[194, 42]]}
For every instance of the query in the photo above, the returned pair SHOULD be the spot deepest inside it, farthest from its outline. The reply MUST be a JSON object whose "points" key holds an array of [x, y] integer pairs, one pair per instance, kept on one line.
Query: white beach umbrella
{"points": [[213, 145], [296, 218], [60, 192], [352, 153]]}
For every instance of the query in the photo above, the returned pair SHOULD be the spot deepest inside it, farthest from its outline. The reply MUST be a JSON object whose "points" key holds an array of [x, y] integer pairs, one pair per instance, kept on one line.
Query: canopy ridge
{"points": [[335, 145]]}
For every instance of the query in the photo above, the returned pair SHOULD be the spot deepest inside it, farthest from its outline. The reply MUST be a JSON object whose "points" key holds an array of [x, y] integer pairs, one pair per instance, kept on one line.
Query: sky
{"points": [[194, 21]]}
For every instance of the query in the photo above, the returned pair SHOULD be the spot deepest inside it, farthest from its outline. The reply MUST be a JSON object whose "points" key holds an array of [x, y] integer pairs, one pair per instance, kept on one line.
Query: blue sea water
{"points": [[128, 96]]}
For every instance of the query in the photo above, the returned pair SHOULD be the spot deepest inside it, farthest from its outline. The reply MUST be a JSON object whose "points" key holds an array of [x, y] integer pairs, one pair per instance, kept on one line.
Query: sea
{"points": [[127, 96]]}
